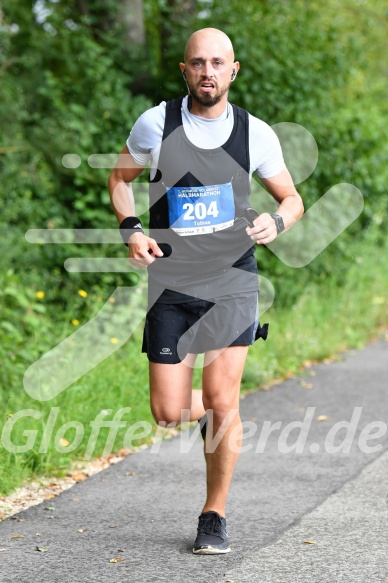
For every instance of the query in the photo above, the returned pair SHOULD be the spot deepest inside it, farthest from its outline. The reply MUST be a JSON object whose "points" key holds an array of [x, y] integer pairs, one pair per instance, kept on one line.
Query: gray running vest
{"points": [[196, 198]]}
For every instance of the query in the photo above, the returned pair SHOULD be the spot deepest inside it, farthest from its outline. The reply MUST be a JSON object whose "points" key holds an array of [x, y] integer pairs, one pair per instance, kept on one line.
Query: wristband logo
{"points": [[87, 347]]}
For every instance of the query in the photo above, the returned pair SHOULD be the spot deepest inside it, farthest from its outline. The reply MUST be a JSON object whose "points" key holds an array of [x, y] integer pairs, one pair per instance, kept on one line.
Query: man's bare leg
{"points": [[221, 393], [171, 392]]}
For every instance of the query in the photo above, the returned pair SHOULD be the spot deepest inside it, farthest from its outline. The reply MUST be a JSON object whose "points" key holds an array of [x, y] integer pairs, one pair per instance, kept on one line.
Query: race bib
{"points": [[196, 210]]}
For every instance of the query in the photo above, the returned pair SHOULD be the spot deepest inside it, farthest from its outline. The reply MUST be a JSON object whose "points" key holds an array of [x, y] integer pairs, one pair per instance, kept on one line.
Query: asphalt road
{"points": [[331, 492]]}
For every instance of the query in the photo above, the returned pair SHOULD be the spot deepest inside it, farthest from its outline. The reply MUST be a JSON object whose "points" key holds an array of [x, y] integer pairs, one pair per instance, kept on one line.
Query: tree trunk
{"points": [[131, 14]]}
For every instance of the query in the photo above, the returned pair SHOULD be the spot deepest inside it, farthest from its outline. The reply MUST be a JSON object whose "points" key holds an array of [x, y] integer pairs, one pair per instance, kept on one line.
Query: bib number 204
{"points": [[200, 211]]}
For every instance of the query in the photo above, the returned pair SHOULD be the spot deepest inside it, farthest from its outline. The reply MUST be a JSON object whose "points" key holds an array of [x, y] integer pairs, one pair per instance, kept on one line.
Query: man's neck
{"points": [[207, 112]]}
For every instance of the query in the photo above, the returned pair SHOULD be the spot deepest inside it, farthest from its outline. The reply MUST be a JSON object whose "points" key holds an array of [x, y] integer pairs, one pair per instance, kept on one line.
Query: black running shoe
{"points": [[212, 538]]}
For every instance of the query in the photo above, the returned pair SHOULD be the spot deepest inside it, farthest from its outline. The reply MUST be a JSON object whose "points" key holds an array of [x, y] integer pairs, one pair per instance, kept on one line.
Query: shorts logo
{"points": [[166, 351]]}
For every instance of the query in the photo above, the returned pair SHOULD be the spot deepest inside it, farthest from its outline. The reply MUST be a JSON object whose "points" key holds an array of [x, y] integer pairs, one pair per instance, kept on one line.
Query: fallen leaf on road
{"points": [[322, 418], [18, 536], [41, 549], [2, 550], [80, 530], [305, 385], [49, 507], [116, 560], [79, 477], [307, 363], [74, 499], [309, 542], [130, 474]]}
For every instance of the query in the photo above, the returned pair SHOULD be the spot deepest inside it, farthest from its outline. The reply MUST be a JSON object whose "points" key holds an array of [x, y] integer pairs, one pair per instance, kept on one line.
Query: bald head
{"points": [[209, 69], [212, 37]]}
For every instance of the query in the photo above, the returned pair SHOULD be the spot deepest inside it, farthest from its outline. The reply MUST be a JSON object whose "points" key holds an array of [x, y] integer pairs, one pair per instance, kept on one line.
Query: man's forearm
{"points": [[120, 185], [290, 209], [121, 197]]}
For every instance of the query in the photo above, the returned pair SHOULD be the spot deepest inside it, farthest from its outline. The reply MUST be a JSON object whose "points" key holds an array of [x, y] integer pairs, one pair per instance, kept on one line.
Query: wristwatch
{"points": [[278, 222]]}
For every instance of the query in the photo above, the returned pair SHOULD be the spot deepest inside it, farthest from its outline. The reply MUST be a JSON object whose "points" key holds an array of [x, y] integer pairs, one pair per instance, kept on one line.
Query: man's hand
{"points": [[264, 230], [142, 250]]}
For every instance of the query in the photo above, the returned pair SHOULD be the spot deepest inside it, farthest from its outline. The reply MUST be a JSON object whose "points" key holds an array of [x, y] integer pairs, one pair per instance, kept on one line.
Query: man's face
{"points": [[208, 66]]}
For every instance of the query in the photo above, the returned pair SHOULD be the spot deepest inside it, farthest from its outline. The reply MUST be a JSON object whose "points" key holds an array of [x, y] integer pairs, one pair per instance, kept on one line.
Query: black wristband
{"points": [[129, 226], [249, 215]]}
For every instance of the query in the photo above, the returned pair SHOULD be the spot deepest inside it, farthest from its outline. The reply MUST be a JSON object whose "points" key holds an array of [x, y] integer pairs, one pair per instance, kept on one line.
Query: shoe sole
{"points": [[211, 551]]}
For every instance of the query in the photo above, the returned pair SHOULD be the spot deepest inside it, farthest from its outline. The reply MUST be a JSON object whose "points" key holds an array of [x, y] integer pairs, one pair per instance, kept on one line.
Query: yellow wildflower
{"points": [[83, 293], [114, 340], [75, 322], [40, 295]]}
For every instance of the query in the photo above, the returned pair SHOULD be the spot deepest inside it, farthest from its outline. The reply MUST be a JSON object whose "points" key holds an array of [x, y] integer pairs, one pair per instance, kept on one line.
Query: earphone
{"points": [[184, 73]]}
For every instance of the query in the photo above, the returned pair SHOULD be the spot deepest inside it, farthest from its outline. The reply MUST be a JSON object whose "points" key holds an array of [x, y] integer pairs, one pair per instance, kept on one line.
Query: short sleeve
{"points": [[265, 149], [147, 133]]}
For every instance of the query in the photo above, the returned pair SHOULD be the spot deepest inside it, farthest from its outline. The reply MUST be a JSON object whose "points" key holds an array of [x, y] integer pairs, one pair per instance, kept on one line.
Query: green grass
{"points": [[325, 320], [116, 383]]}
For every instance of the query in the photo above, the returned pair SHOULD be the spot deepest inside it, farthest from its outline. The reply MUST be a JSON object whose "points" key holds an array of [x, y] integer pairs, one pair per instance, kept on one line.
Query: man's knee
{"points": [[221, 402], [169, 416]]}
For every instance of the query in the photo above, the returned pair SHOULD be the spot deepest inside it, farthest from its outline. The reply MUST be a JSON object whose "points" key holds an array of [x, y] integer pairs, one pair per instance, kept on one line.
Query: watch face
{"points": [[279, 223]]}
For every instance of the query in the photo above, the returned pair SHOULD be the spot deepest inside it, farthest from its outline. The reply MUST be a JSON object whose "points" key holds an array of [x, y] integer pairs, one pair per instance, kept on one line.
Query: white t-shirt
{"points": [[265, 152]]}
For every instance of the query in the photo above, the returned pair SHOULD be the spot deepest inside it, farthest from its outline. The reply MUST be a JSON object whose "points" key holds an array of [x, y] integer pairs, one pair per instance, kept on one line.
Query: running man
{"points": [[203, 283]]}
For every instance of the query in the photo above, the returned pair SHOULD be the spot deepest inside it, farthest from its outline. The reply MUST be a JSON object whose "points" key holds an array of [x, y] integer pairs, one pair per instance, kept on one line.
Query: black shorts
{"points": [[196, 326]]}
